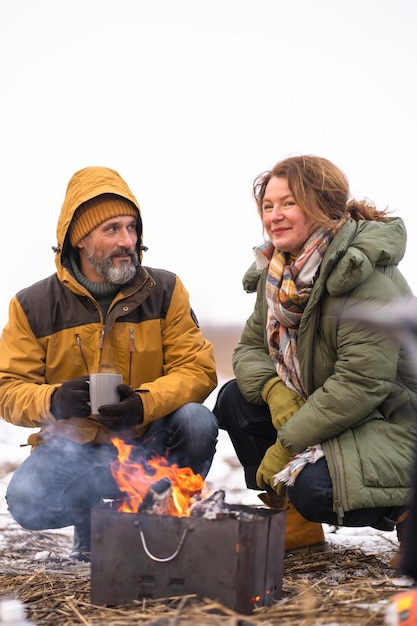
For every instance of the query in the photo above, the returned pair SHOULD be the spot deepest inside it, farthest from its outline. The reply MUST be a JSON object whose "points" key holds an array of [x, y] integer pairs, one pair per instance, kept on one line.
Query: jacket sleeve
{"points": [[24, 396], [189, 366], [252, 364]]}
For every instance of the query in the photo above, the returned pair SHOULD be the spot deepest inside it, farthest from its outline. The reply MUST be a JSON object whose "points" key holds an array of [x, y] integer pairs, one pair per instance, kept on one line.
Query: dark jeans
{"points": [[60, 480], [249, 427], [251, 431]]}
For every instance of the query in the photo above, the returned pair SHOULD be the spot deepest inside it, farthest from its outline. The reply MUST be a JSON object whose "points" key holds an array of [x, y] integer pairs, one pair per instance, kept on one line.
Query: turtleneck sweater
{"points": [[102, 292]]}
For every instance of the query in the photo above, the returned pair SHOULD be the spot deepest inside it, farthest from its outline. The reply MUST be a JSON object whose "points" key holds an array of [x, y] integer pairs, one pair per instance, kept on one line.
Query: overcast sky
{"points": [[189, 100]]}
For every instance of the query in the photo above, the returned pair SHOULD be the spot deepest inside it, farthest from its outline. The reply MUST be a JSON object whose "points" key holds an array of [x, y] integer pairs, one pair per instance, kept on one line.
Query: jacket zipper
{"points": [[131, 351], [331, 449], [78, 340], [337, 482], [100, 345]]}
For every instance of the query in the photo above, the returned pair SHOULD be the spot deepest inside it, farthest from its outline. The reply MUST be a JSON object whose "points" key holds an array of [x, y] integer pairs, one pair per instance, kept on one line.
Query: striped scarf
{"points": [[288, 287]]}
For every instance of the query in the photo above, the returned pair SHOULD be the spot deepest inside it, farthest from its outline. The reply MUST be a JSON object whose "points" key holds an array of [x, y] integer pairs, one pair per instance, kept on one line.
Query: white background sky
{"points": [[189, 100]]}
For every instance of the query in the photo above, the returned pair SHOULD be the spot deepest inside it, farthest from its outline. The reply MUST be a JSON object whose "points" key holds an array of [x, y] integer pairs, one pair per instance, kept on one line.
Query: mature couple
{"points": [[322, 413]]}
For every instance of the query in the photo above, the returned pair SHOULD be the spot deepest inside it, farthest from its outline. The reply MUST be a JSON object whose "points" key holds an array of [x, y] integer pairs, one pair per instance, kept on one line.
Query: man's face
{"points": [[108, 254]]}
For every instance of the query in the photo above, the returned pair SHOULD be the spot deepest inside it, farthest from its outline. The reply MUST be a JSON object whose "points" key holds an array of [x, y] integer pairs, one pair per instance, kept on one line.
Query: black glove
{"points": [[71, 399], [125, 414]]}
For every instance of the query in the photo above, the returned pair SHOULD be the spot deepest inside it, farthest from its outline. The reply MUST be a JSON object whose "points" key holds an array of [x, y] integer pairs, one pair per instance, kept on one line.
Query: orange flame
{"points": [[132, 479]]}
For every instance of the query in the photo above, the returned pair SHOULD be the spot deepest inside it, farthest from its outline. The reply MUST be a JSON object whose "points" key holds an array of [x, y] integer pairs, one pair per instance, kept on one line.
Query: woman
{"points": [[334, 395]]}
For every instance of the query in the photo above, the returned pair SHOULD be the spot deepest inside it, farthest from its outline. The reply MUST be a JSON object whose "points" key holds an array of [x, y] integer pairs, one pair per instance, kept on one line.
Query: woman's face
{"points": [[285, 222]]}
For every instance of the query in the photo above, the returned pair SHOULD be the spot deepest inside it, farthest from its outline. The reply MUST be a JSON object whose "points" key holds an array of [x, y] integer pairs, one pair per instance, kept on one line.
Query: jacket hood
{"points": [[353, 254], [358, 248], [251, 277], [84, 185]]}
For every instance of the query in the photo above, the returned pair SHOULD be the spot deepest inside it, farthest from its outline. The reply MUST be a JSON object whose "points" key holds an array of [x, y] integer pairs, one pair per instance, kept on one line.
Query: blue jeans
{"points": [[251, 431], [61, 480]]}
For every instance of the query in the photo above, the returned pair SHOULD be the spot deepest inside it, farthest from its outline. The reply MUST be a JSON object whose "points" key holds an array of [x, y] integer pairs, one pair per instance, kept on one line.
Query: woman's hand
{"points": [[275, 459]]}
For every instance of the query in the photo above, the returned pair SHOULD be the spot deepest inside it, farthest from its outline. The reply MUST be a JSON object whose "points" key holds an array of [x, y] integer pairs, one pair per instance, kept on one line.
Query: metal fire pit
{"points": [[139, 555]]}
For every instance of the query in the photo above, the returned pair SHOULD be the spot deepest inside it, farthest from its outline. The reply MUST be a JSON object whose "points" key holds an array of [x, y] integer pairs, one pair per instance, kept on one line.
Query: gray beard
{"points": [[120, 275], [111, 274]]}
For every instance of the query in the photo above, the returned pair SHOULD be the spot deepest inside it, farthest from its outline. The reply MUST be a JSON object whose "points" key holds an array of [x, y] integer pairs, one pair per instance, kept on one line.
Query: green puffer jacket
{"points": [[361, 386]]}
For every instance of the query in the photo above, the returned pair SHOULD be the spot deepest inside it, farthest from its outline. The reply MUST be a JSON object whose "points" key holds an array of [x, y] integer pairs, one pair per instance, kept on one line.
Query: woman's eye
{"points": [[267, 207]]}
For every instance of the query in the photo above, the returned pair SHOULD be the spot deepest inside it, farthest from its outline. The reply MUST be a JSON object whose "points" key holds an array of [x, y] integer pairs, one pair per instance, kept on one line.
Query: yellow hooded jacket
{"points": [[56, 332]]}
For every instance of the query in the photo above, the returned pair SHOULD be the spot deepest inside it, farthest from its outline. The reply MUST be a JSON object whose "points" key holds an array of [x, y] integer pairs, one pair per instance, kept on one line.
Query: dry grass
{"points": [[341, 586]]}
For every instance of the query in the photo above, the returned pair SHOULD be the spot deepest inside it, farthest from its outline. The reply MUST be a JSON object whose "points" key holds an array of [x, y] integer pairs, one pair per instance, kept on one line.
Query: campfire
{"points": [[170, 537], [156, 486]]}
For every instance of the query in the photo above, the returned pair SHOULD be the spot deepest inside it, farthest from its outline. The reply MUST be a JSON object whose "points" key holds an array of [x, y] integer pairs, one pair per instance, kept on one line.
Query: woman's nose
{"points": [[276, 213]]}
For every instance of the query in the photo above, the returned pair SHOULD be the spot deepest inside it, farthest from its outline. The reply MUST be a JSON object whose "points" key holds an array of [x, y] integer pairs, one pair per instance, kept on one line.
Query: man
{"points": [[102, 311]]}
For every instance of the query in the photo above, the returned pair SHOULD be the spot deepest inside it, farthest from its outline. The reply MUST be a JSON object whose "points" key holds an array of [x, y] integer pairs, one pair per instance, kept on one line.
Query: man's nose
{"points": [[126, 238]]}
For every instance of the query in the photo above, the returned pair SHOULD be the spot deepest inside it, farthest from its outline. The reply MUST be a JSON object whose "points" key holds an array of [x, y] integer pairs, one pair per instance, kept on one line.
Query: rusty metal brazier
{"points": [[139, 555]]}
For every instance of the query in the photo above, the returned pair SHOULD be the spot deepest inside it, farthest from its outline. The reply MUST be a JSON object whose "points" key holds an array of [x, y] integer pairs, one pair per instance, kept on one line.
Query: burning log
{"points": [[216, 507], [158, 498], [148, 479], [157, 501]]}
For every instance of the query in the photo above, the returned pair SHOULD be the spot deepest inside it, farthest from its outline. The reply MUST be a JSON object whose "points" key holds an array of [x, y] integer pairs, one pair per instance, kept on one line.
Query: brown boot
{"points": [[395, 560], [300, 534], [273, 500]]}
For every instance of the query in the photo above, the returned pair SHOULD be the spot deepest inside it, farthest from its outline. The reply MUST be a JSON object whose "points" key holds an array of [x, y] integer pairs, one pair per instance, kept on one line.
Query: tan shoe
{"points": [[300, 534], [395, 560]]}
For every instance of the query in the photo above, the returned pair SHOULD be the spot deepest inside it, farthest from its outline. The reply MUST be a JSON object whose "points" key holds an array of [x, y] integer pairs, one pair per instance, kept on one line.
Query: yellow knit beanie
{"points": [[94, 212]]}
